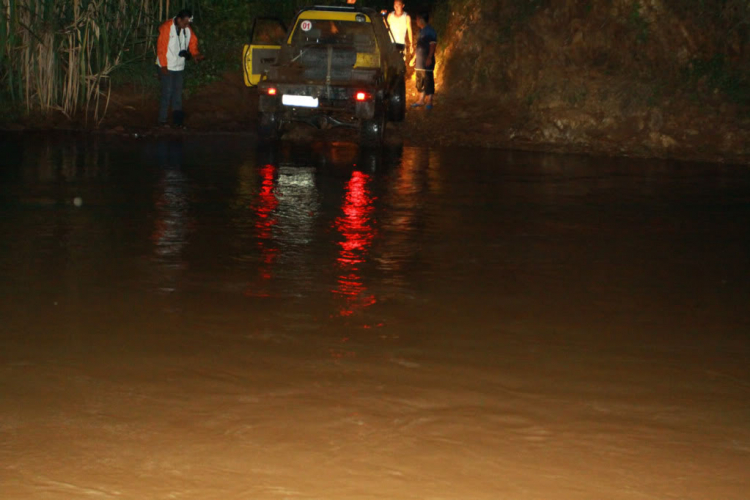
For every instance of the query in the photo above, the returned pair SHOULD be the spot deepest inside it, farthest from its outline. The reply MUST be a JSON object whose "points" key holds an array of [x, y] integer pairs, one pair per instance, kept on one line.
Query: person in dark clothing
{"points": [[425, 62], [176, 44]]}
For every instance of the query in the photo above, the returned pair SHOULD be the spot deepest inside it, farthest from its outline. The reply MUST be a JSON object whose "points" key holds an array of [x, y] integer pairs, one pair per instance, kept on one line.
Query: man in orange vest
{"points": [[176, 44]]}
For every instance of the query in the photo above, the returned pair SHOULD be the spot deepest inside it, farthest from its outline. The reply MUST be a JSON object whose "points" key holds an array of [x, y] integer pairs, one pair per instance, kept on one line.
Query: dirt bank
{"points": [[645, 78]]}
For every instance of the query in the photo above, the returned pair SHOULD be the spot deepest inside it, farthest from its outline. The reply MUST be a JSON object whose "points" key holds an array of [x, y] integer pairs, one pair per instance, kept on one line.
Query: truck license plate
{"points": [[304, 101]]}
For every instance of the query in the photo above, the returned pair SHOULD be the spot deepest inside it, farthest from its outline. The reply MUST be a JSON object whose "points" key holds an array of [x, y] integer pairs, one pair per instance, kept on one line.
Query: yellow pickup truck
{"points": [[335, 66]]}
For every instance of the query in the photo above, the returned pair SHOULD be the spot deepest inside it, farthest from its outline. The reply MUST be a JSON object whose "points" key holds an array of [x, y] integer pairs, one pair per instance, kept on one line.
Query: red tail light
{"points": [[271, 91], [361, 96]]}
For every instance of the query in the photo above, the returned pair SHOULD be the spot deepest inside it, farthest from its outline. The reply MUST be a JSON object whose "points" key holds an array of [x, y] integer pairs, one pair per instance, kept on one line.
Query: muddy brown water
{"points": [[206, 319]]}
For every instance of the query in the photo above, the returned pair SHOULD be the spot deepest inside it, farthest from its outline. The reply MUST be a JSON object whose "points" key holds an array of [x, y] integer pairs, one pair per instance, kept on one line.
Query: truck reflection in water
{"points": [[266, 220], [298, 211], [284, 211], [357, 230]]}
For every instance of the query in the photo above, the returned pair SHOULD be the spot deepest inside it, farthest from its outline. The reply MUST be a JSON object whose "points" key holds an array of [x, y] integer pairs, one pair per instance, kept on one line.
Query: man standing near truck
{"points": [[425, 64], [400, 24], [176, 44]]}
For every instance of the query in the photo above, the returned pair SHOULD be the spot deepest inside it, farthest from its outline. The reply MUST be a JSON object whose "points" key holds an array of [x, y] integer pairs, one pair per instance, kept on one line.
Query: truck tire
{"points": [[269, 126], [372, 132], [397, 102]]}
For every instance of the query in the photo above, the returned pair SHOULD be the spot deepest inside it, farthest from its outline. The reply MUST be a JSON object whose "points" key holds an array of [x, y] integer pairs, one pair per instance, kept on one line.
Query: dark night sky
{"points": [[412, 6]]}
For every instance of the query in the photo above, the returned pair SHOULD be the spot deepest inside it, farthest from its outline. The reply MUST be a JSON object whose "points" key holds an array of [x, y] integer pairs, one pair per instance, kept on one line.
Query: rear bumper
{"points": [[334, 100]]}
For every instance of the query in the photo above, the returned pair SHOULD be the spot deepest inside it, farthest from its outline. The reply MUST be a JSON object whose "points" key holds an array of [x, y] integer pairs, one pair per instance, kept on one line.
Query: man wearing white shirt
{"points": [[400, 24]]}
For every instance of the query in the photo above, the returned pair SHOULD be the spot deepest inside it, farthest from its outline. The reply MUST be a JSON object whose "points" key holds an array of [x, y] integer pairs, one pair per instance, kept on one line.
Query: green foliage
{"points": [[508, 15], [223, 27], [11, 110], [222, 56], [519, 13], [638, 23], [443, 12], [141, 74], [716, 74], [527, 8], [532, 97], [576, 96], [658, 90], [712, 12], [725, 23]]}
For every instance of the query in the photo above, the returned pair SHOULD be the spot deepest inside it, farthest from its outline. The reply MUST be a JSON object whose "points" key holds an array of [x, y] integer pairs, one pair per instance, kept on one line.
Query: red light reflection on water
{"points": [[265, 211], [356, 227]]}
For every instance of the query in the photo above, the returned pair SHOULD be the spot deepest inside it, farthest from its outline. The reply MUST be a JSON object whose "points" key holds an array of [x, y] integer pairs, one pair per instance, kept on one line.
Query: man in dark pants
{"points": [[425, 63], [175, 45]]}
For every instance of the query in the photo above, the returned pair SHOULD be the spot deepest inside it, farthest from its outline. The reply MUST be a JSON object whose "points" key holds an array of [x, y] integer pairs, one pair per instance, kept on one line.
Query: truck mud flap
{"points": [[365, 110]]}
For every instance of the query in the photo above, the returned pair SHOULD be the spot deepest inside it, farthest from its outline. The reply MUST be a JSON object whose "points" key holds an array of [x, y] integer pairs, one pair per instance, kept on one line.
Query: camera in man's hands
{"points": [[186, 54]]}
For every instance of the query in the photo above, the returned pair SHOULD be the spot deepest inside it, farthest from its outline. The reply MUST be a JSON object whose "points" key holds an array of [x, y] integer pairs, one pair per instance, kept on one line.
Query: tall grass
{"points": [[59, 54]]}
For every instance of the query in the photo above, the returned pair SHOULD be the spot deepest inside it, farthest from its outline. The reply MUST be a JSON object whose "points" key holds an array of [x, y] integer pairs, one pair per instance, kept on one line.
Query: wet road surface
{"points": [[206, 319]]}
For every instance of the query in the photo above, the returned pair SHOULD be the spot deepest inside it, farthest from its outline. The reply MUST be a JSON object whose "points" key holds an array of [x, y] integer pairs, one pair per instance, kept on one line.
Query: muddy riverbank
{"points": [[228, 107]]}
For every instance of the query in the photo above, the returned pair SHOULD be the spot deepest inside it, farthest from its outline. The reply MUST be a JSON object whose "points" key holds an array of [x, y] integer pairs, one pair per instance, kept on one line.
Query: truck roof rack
{"points": [[340, 8], [330, 7]]}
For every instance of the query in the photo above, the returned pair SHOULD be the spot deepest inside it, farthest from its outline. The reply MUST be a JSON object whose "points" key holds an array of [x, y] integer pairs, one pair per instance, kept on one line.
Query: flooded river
{"points": [[203, 319]]}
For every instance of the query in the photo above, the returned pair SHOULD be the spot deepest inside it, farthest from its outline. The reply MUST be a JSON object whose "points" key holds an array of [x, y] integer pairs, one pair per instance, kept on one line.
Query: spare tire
{"points": [[314, 60]]}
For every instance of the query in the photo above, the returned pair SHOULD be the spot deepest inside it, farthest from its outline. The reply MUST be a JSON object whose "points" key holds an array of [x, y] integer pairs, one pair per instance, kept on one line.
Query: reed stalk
{"points": [[59, 54]]}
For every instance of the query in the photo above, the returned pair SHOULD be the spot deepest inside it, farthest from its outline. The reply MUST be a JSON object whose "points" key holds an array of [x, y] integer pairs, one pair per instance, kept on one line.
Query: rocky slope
{"points": [[650, 78]]}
